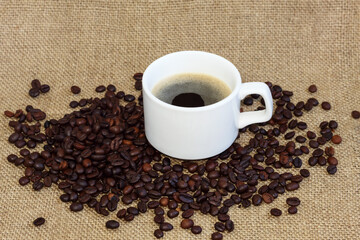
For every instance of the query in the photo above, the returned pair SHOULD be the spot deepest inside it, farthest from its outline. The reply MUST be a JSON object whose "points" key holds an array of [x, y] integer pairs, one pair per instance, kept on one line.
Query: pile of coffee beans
{"points": [[37, 88], [98, 155]]}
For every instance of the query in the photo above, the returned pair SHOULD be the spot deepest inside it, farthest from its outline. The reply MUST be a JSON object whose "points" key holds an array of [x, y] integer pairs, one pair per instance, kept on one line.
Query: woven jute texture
{"points": [[87, 43]]}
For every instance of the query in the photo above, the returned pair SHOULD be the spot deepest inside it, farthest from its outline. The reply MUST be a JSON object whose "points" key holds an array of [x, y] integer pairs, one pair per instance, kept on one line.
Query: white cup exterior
{"points": [[200, 132]]}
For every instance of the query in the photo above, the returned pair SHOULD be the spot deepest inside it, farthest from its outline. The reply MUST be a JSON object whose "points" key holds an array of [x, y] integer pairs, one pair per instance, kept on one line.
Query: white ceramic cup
{"points": [[198, 132]]}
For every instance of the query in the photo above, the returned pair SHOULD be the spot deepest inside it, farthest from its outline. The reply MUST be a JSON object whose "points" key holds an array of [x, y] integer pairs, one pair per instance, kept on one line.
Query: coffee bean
{"points": [[289, 135], [229, 225], [9, 114], [216, 236], [100, 88], [336, 139], [166, 226], [300, 139], [73, 104], [44, 88], [34, 92], [312, 88], [355, 114], [331, 169], [75, 89], [256, 200], [111, 88], [276, 212], [311, 135], [292, 210], [138, 76], [292, 186], [172, 213], [37, 186], [268, 198], [112, 224], [138, 85], [129, 98], [188, 213], [76, 207], [39, 221], [159, 211], [196, 229], [326, 106], [305, 173], [219, 226], [23, 181], [293, 201], [158, 233], [187, 223], [248, 101]]}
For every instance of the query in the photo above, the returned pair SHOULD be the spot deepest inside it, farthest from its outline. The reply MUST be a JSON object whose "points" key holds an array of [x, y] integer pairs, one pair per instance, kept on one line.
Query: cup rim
{"points": [[233, 93]]}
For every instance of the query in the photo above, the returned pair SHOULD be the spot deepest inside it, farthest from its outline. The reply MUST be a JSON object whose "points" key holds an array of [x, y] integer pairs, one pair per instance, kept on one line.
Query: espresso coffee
{"points": [[191, 90]]}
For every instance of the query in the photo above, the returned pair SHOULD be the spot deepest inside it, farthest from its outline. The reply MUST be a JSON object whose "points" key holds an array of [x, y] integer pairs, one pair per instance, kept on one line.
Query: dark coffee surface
{"points": [[210, 89], [188, 100]]}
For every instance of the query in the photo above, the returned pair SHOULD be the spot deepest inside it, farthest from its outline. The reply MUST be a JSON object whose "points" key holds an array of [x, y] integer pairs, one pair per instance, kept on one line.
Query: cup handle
{"points": [[247, 118]]}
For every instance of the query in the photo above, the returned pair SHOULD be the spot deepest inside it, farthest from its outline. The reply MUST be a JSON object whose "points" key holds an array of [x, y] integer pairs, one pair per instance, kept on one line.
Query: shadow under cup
{"points": [[191, 133]]}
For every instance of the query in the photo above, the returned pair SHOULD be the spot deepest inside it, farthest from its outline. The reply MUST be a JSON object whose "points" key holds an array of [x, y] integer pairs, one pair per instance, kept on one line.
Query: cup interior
{"points": [[191, 62]]}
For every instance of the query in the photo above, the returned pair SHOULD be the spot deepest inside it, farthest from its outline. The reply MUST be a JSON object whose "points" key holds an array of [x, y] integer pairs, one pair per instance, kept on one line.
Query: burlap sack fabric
{"points": [[291, 43]]}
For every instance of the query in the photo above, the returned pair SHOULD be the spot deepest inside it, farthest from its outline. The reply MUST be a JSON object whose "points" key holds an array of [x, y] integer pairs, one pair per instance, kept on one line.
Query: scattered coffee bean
{"points": [[292, 210], [39, 221], [326, 105], [305, 173], [312, 88], [293, 201], [355, 114], [187, 223], [34, 92], [166, 226], [196, 229], [112, 224], [44, 88], [75, 89], [138, 76], [331, 169], [276, 212], [216, 236], [158, 233], [100, 88], [336, 139], [36, 84]]}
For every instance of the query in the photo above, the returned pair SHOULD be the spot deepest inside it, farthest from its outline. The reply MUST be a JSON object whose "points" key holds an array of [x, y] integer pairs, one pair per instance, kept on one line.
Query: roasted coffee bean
{"points": [[100, 88], [256, 200], [292, 210], [166, 226], [111, 88], [76, 207], [229, 225], [326, 106], [23, 181], [44, 88], [196, 229], [268, 198], [336, 139], [138, 85], [35, 83], [37, 186], [248, 101], [172, 213], [311, 135], [112, 224], [129, 98], [355, 114], [9, 114], [219, 226], [292, 186], [34, 92], [73, 104], [276, 212], [187, 223], [188, 213], [293, 201], [312, 88], [158, 233], [305, 173], [75, 89], [216, 236], [331, 169], [39, 221]]}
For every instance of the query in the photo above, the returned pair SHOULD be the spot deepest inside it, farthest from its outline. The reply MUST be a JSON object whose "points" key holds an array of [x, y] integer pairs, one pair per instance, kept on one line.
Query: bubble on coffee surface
{"points": [[176, 88]]}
